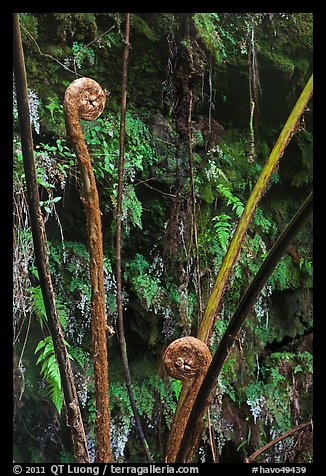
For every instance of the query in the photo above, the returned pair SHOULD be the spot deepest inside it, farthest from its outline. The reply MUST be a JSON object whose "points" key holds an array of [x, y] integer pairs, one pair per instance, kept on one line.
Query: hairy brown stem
{"points": [[85, 99], [185, 359], [41, 257]]}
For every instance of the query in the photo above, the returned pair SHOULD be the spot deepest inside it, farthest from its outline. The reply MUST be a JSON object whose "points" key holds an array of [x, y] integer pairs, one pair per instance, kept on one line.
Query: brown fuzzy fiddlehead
{"points": [[85, 99], [185, 359]]}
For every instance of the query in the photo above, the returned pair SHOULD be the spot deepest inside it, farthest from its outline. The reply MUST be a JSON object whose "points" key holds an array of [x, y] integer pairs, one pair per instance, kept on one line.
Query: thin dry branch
{"points": [[46, 55], [255, 455], [41, 256], [122, 338], [89, 44]]}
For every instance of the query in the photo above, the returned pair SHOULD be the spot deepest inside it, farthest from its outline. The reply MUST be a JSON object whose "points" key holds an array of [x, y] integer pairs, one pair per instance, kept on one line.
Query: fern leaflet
{"points": [[232, 200], [50, 370], [222, 227]]}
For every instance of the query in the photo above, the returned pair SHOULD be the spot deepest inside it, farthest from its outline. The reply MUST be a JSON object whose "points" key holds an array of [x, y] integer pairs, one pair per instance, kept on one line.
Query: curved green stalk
{"points": [[191, 434], [230, 259], [215, 299]]}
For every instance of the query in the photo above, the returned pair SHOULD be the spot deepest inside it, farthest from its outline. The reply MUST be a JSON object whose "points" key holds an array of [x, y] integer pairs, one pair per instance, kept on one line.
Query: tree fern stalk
{"points": [[85, 99], [277, 440], [122, 338], [41, 257], [231, 257], [233, 252], [191, 434]]}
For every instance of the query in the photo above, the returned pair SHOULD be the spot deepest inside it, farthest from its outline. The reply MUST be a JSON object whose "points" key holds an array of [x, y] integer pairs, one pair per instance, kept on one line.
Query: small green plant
{"points": [[50, 370], [232, 200], [223, 229], [38, 305], [306, 265], [147, 287], [39, 308], [55, 105], [48, 204], [215, 37], [262, 221], [82, 53]]}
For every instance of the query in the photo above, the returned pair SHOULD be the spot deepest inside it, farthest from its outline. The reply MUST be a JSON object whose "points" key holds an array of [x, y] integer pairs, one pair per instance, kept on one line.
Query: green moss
{"points": [[206, 193], [280, 62], [300, 34], [164, 23], [304, 175], [295, 321], [142, 27], [30, 23], [206, 25], [79, 26], [302, 69], [291, 40]]}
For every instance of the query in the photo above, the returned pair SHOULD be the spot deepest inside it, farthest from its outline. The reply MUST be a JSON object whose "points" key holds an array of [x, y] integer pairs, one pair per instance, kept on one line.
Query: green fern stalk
{"points": [[230, 259], [232, 254]]}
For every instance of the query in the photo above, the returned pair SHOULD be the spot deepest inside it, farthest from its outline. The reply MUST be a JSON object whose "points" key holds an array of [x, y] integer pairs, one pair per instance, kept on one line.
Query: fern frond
{"points": [[40, 311], [62, 312], [132, 206], [222, 227], [50, 370], [232, 200], [38, 304], [47, 350], [40, 345]]}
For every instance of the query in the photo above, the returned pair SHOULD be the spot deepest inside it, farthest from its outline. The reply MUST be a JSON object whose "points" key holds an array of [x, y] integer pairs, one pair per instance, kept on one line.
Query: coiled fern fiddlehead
{"points": [[185, 359], [85, 99]]}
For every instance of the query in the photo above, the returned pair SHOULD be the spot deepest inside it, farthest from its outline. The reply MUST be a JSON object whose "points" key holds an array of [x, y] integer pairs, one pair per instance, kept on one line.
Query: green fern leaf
{"points": [[50, 370], [38, 304], [48, 349], [222, 227], [132, 206], [232, 200], [40, 345]]}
